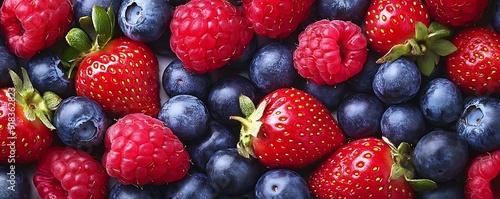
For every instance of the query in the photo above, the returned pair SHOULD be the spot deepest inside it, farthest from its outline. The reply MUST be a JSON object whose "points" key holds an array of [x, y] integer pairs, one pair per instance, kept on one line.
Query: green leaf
{"points": [[395, 52], [442, 47], [111, 15], [102, 24], [87, 25], [420, 31], [422, 184], [79, 40], [51, 99], [438, 31], [427, 62], [246, 105], [70, 54]]}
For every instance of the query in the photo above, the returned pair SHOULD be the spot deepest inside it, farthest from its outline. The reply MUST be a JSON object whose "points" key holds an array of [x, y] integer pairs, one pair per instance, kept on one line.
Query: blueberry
{"points": [[232, 174], [495, 12], [402, 123], [445, 190], [441, 102], [47, 73], [194, 185], [223, 98], [148, 191], [359, 115], [80, 122], [353, 10], [8, 61], [479, 123], [186, 115], [272, 67], [14, 182], [397, 81], [144, 20], [243, 62], [330, 96], [84, 7], [176, 80], [440, 155], [217, 137], [363, 81], [161, 45], [281, 184]]}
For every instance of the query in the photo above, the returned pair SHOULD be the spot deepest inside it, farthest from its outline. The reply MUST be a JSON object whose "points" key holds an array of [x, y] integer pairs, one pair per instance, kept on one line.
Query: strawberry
{"points": [[482, 176], [289, 128], [456, 13], [276, 18], [30, 26], [474, 66], [120, 74], [25, 128], [366, 168]]}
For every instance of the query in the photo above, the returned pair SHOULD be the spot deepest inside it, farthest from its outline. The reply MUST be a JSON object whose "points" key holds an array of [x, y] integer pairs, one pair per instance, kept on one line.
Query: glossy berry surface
{"points": [[120, 191], [448, 189], [402, 123], [194, 186], [482, 175], [454, 13], [353, 10], [441, 102], [83, 8], [397, 82], [8, 61], [177, 80], [14, 182], [281, 184], [359, 115], [143, 20], [330, 96], [363, 81]]}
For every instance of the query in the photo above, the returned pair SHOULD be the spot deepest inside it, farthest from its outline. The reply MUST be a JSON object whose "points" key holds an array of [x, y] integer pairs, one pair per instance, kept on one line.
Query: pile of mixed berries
{"points": [[264, 99]]}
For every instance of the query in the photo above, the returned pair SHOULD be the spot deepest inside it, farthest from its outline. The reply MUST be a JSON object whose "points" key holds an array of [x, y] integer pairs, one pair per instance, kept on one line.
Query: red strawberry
{"points": [[141, 150], [25, 128], [207, 34], [456, 13], [276, 18], [482, 176], [330, 52], [65, 172], [120, 74], [474, 66], [289, 128], [29, 26], [365, 168]]}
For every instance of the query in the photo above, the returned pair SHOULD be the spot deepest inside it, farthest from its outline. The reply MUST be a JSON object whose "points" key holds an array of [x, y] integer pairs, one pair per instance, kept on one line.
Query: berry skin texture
{"points": [[141, 150], [276, 18], [481, 173], [65, 172], [30, 26], [456, 13], [473, 67], [330, 52], [207, 34]]}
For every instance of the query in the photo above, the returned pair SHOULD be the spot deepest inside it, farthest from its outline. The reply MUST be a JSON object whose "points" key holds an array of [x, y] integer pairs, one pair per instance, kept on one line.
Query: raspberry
{"points": [[141, 150], [330, 52], [276, 18], [207, 34], [30, 26], [65, 172], [482, 175]]}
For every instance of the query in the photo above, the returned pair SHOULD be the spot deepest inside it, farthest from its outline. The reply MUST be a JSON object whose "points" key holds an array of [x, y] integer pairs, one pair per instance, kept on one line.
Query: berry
{"points": [[479, 122], [80, 123], [14, 182], [482, 174], [495, 13], [141, 150], [276, 18], [353, 10], [359, 115], [29, 27], [207, 34], [65, 172], [454, 13], [340, 56], [243, 63], [402, 123], [397, 81], [449, 189], [83, 8], [441, 102], [177, 80], [363, 81], [148, 191], [330, 96], [144, 21], [8, 61], [281, 183], [194, 185]]}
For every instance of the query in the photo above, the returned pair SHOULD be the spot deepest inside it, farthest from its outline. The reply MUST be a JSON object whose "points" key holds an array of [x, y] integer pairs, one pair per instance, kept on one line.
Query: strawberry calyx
{"points": [[426, 47], [403, 166], [250, 125], [34, 104]]}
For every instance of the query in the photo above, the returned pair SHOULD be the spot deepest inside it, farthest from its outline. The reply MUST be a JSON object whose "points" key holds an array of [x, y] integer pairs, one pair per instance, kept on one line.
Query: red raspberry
{"points": [[482, 175], [330, 52], [65, 172], [141, 150], [276, 18], [456, 13], [207, 34], [30, 26]]}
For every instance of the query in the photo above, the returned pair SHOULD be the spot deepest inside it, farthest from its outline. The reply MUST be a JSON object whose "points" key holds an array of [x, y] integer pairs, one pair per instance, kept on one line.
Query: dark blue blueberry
{"points": [[186, 115], [47, 73], [451, 189], [441, 102], [161, 45], [223, 98], [352, 10], [84, 7], [243, 63], [177, 2], [402, 123], [330, 96], [479, 124], [148, 191], [176, 80], [495, 15], [363, 81], [14, 182], [281, 184], [232, 174], [397, 81], [217, 137], [144, 20], [194, 185], [440, 155], [80, 122], [8, 61], [272, 67], [359, 115]]}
